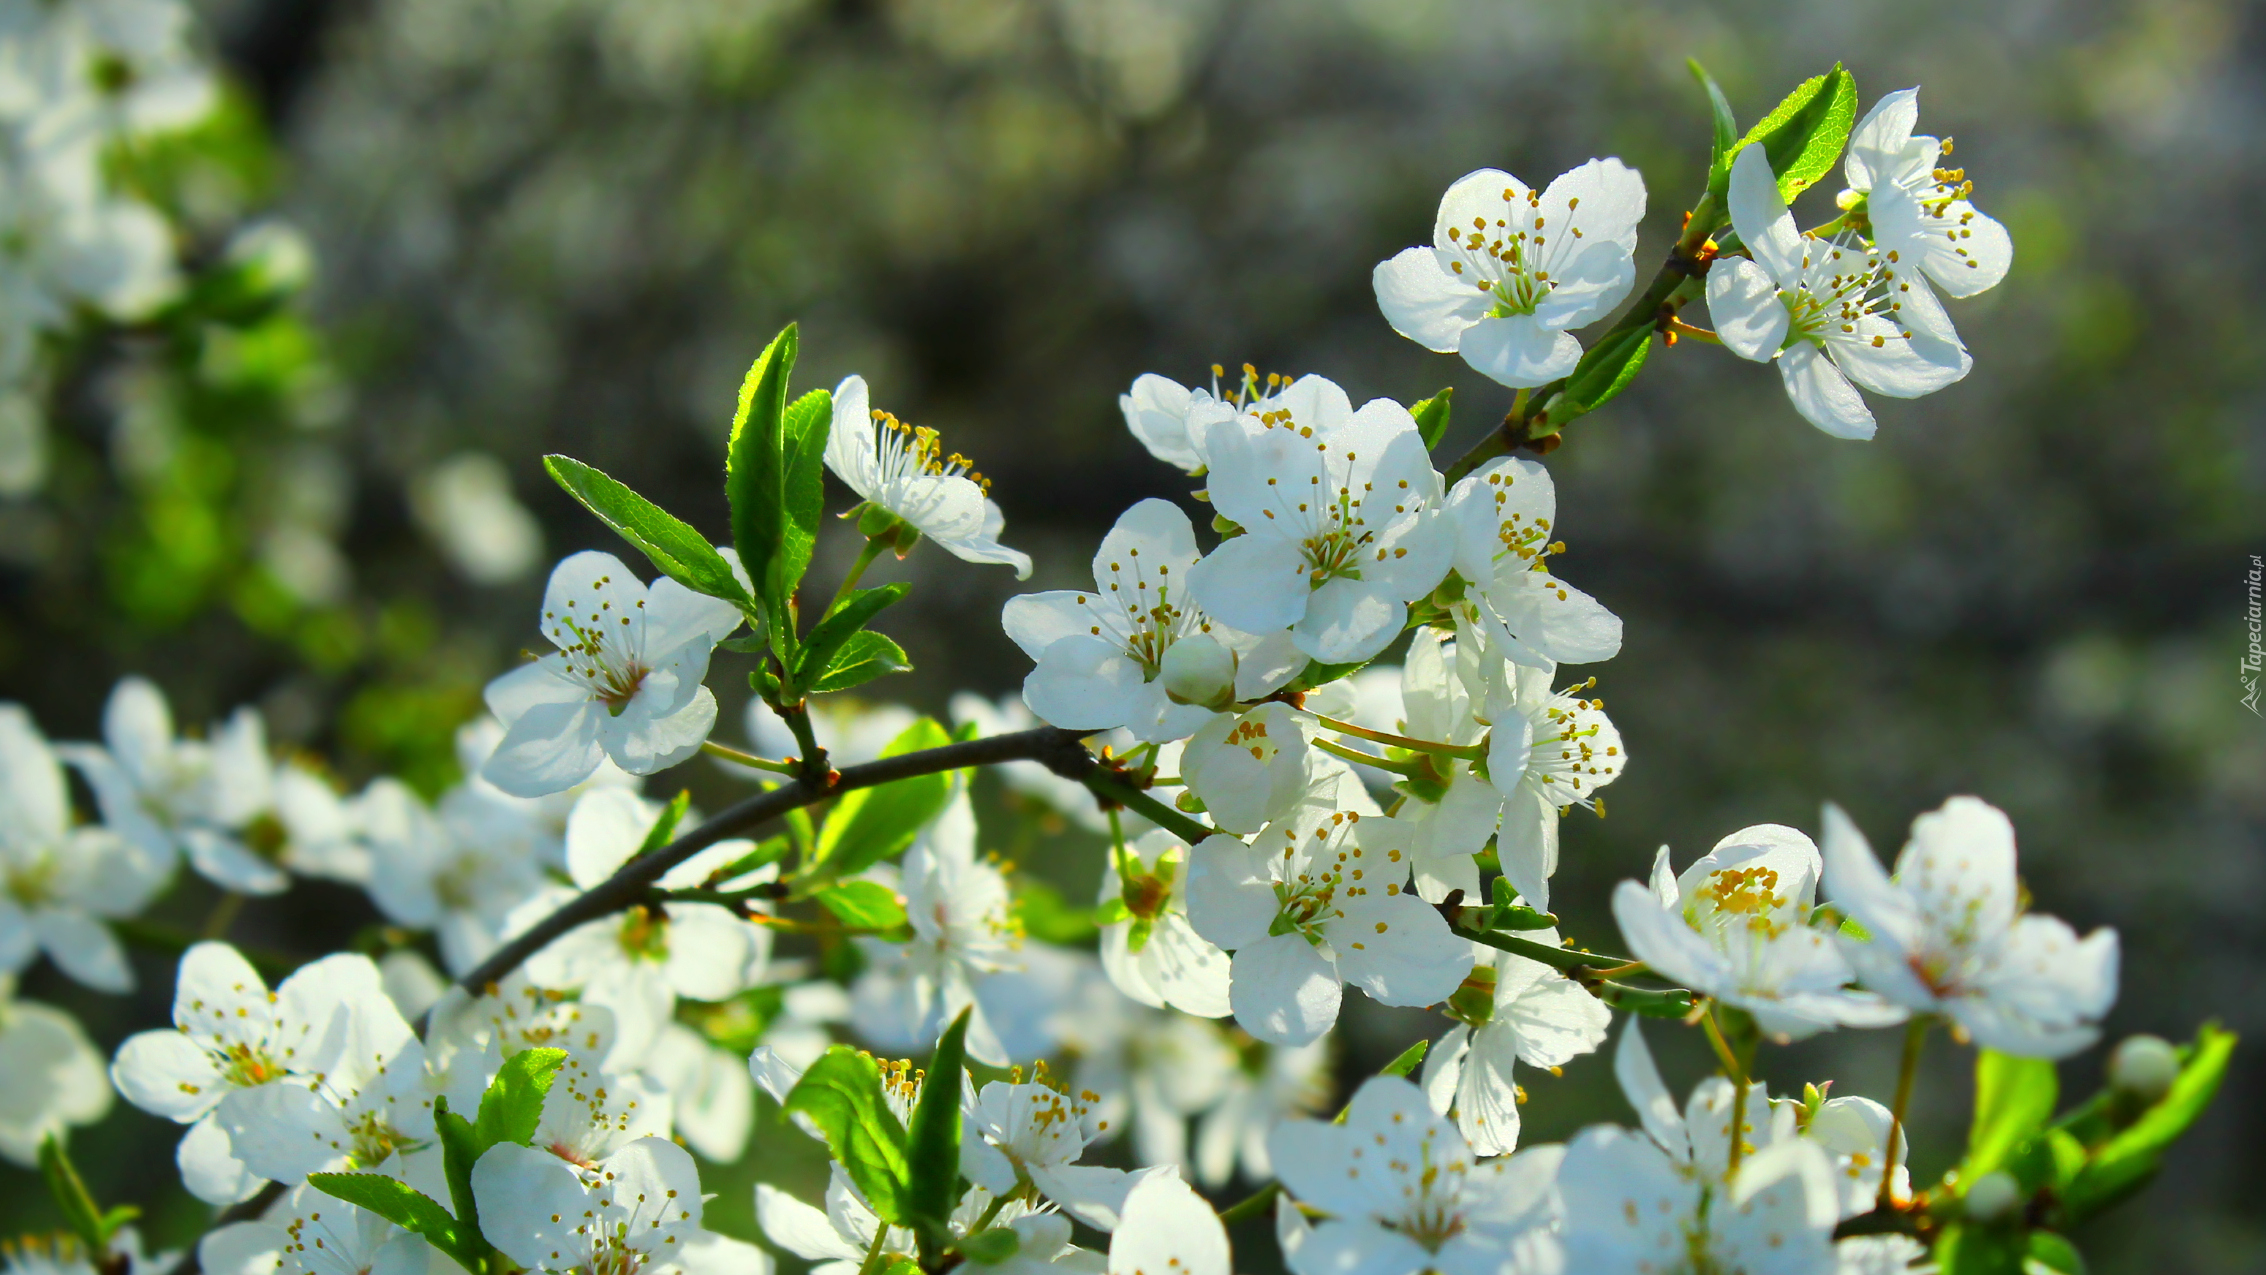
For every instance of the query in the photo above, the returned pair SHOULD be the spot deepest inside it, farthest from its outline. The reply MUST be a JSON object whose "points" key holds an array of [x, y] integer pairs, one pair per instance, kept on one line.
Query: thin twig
{"points": [[1058, 750]]}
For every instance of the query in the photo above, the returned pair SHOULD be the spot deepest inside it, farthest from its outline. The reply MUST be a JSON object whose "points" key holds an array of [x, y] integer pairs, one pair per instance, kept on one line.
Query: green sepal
{"points": [[1651, 1002], [2014, 1098], [1432, 416], [1320, 674], [932, 1141], [841, 1094], [512, 1107], [864, 905], [872, 824], [1803, 135], [828, 635], [1407, 1061], [406, 1207], [674, 548], [460, 1150], [863, 656], [2129, 1159]]}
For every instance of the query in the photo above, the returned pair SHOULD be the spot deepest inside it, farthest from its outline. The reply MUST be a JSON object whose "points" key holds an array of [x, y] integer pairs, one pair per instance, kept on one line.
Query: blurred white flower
{"points": [[51, 1075], [465, 504]]}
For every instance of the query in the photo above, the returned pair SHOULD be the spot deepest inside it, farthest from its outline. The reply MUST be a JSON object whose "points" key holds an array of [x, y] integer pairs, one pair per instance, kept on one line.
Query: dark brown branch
{"points": [[1058, 750]]}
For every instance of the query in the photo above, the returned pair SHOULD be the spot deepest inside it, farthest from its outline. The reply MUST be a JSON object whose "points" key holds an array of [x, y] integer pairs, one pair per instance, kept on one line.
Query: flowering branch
{"points": [[1058, 750]]}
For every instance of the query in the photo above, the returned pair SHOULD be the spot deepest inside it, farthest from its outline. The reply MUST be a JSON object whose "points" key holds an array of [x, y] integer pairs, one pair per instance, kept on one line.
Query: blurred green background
{"points": [[567, 225]]}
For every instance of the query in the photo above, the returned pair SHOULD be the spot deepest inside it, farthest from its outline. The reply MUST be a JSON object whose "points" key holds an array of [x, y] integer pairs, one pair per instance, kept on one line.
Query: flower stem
{"points": [[1366, 759], [1104, 785], [1915, 1036], [1469, 752], [1251, 1205], [738, 758], [1736, 1068], [223, 915], [873, 549], [1556, 957]]}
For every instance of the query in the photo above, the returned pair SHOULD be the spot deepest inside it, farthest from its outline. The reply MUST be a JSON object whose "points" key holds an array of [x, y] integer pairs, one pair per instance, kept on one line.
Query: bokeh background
{"points": [[568, 225]]}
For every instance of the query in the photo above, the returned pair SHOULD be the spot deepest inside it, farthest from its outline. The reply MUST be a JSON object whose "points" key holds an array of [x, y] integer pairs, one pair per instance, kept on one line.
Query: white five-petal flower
{"points": [[904, 471], [51, 1076], [1340, 519], [1828, 311], [1537, 1016], [1512, 270], [1947, 934], [625, 682], [1919, 213], [1505, 516], [1154, 955]]}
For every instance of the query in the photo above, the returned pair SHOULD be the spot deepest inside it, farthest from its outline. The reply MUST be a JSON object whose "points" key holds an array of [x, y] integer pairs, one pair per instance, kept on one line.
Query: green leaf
{"points": [[1964, 1249], [808, 422], [2014, 1098], [513, 1104], [932, 1143], [1432, 416], [871, 824], [990, 1248], [665, 827], [80, 1213], [460, 1150], [845, 622], [1726, 128], [2055, 1253], [755, 479], [768, 851], [865, 656], [841, 1093], [403, 1205], [1318, 674], [1603, 372], [1803, 135], [863, 905], [2127, 1161], [675, 549], [1408, 1060]]}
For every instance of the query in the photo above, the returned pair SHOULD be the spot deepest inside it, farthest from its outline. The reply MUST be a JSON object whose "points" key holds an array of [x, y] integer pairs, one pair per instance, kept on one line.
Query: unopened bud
{"points": [[1198, 670], [1994, 1198], [2145, 1067]]}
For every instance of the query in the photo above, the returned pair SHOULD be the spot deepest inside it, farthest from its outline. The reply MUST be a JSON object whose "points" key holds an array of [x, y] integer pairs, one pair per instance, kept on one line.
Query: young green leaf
{"points": [[513, 1104], [846, 621], [1407, 1061], [864, 656], [809, 420], [841, 1093], [1726, 130], [932, 1143], [72, 1200], [991, 1247], [665, 827], [460, 1150], [1803, 135], [2128, 1160], [403, 1205], [871, 824], [865, 905], [755, 480], [1604, 371], [1432, 416], [2014, 1098], [674, 548], [1967, 1249]]}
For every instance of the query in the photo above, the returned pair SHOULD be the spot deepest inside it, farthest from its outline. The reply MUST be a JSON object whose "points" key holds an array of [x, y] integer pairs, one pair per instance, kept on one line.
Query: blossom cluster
{"points": [[1335, 746]]}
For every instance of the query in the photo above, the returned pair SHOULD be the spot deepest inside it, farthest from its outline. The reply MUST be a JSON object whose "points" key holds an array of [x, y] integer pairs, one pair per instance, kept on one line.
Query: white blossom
{"points": [[1512, 270], [1271, 1084], [311, 1233], [1737, 925], [1405, 1195], [1168, 1228], [1921, 220], [1306, 908], [459, 872], [51, 1076], [1104, 657], [1339, 516], [1033, 1132], [1171, 419], [1537, 1016], [905, 471], [1947, 934], [625, 682], [1253, 768], [1505, 517], [1154, 955], [59, 882], [1827, 311], [638, 1210]]}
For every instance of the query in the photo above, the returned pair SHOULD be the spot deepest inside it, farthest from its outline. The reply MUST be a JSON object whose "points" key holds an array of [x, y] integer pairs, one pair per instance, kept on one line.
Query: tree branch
{"points": [[1057, 750]]}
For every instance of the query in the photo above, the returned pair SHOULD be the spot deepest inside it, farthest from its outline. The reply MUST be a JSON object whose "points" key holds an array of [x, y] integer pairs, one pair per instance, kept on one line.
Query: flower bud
{"points": [[2145, 1067], [1198, 670], [1994, 1198]]}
